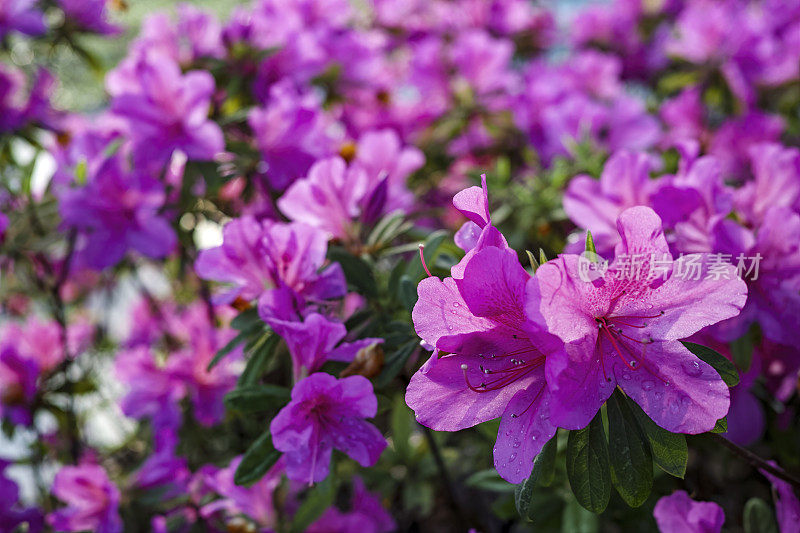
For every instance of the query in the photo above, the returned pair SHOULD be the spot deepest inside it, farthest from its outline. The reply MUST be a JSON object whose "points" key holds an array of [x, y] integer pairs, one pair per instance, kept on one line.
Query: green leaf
{"points": [[629, 453], [394, 363], [357, 272], [590, 243], [542, 257], [544, 466], [317, 501], [721, 364], [588, 465], [758, 517], [407, 292], [260, 354], [246, 320], [256, 398], [742, 350], [402, 422], [228, 348], [576, 519], [670, 451], [722, 426], [258, 458], [489, 480], [534, 263]]}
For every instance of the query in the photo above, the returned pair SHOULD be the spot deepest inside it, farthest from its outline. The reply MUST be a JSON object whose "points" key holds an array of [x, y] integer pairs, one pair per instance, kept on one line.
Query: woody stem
{"points": [[756, 461]]}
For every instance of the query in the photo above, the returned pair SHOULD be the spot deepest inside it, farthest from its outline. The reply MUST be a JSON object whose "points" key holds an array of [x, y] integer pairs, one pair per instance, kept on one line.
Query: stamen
{"points": [[422, 258]]}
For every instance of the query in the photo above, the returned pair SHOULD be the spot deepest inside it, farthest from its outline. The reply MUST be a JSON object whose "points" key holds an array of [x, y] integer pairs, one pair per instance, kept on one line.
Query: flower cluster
{"points": [[230, 299]]}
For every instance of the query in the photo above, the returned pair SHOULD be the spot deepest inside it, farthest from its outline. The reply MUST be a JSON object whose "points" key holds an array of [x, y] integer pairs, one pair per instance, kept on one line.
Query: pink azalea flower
{"points": [[787, 506], [326, 413], [92, 500], [678, 513], [623, 328], [280, 263], [494, 358], [366, 515]]}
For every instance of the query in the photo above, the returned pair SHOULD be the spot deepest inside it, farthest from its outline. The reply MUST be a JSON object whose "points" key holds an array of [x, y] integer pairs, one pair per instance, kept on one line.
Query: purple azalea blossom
{"points": [[382, 152], [329, 198], [163, 469], [290, 132], [366, 515], [256, 501], [678, 513], [117, 210], [326, 413], [278, 263], [12, 514], [92, 500], [25, 99], [21, 16], [314, 341], [151, 391], [623, 327], [595, 205], [166, 110], [89, 15], [787, 506], [18, 376], [495, 357]]}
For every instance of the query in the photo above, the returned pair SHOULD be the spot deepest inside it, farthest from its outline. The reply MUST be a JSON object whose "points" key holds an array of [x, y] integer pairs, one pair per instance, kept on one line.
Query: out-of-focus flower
{"points": [[255, 501], [316, 340], [595, 205], [787, 506], [282, 264], [290, 131], [116, 210], [326, 413], [678, 513], [25, 100], [165, 109], [89, 15], [92, 500], [366, 515], [21, 16], [12, 514], [631, 317]]}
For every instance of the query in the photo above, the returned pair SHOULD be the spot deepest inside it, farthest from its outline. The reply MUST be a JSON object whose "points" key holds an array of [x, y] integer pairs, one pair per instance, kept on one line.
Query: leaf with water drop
{"points": [[542, 474], [721, 364]]}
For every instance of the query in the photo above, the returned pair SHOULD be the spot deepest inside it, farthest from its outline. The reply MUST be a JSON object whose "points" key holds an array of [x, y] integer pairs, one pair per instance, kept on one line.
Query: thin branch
{"points": [[458, 512], [756, 461]]}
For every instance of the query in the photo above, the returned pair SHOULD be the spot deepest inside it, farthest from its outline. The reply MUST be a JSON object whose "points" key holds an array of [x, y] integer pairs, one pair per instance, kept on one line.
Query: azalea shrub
{"points": [[401, 265]]}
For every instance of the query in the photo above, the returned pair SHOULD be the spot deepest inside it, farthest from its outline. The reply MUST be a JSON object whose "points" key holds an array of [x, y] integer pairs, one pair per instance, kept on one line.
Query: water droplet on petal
{"points": [[692, 368], [626, 376], [648, 385], [512, 456], [516, 444]]}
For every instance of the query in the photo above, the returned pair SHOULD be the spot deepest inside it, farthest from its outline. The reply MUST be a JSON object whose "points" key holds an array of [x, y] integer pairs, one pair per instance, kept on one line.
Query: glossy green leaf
{"points": [[542, 474], [588, 465], [629, 453], [721, 426], [357, 272], [260, 353], [669, 450], [256, 460], [256, 398]]}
